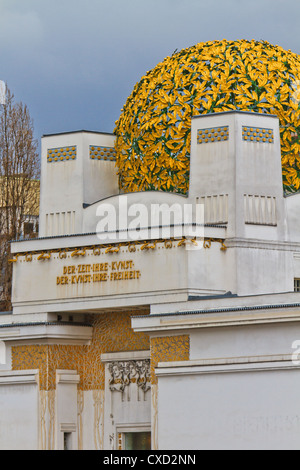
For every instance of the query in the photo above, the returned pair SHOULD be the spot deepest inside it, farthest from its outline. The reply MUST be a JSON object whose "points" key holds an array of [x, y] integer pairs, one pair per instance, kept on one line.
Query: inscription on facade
{"points": [[98, 272]]}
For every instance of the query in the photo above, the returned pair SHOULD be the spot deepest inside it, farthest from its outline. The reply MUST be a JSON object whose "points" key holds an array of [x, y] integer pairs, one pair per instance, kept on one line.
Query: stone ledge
{"points": [[18, 377]]}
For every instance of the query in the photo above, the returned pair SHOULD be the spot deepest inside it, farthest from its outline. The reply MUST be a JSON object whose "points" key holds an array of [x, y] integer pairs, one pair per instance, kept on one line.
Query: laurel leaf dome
{"points": [[153, 132]]}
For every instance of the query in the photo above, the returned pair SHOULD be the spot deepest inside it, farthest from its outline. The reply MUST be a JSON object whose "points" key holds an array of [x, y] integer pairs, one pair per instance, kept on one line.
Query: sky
{"points": [[75, 62]]}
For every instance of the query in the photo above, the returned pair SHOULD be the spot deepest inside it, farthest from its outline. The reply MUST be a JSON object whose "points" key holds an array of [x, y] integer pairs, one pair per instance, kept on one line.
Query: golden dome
{"points": [[153, 131]]}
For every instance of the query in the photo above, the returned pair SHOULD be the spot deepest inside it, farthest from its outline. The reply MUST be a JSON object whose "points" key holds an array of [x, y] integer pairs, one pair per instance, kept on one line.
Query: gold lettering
{"points": [[62, 280], [84, 268], [124, 275], [119, 270], [99, 277], [103, 266], [118, 265], [69, 269]]}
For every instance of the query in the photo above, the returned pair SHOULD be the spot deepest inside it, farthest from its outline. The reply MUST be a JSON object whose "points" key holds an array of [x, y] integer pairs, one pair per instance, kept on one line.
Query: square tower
{"points": [[236, 172], [77, 168]]}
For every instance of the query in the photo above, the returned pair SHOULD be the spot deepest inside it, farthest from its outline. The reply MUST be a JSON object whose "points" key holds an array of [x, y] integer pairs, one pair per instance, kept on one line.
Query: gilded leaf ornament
{"points": [[153, 131]]}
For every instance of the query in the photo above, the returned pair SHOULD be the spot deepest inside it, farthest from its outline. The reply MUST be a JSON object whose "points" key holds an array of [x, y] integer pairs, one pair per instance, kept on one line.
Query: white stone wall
{"points": [[246, 407], [19, 405]]}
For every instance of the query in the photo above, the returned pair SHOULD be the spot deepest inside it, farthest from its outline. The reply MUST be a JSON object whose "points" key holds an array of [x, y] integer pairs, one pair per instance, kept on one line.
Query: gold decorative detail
{"points": [[148, 246], [78, 252], [62, 254], [208, 135], [44, 256], [102, 153], [112, 249], [207, 243], [260, 135], [61, 154], [182, 242], [168, 244], [168, 348], [154, 128], [31, 357], [120, 444], [223, 247], [112, 332]]}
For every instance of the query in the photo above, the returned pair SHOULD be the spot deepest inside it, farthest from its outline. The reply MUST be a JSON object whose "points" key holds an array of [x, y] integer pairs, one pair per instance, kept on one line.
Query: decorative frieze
{"points": [[124, 373], [102, 153], [249, 134], [61, 154], [102, 249], [258, 134], [212, 134]]}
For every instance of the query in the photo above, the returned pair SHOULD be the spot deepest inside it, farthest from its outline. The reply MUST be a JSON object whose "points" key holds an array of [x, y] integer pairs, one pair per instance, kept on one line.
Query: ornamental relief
{"points": [[123, 373]]}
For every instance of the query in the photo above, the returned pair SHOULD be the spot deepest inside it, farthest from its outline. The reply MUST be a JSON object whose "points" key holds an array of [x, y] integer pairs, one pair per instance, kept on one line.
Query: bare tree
{"points": [[19, 183]]}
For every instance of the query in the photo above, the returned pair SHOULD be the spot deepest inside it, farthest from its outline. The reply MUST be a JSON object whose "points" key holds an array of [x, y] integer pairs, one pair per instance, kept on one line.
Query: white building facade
{"points": [[153, 319]]}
